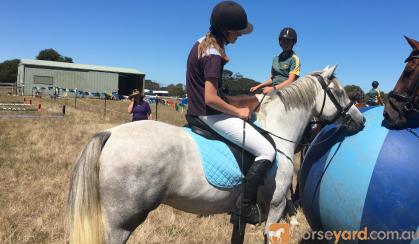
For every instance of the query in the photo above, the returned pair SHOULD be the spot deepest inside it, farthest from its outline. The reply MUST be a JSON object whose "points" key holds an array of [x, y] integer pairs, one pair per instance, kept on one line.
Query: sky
{"points": [[363, 37]]}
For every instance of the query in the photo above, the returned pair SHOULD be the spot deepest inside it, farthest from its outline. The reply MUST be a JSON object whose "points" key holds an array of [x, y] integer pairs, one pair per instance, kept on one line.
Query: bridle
{"points": [[342, 111], [408, 100]]}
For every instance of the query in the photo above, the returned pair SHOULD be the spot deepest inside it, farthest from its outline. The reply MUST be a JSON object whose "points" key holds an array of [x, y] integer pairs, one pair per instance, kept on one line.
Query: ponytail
{"points": [[210, 41]]}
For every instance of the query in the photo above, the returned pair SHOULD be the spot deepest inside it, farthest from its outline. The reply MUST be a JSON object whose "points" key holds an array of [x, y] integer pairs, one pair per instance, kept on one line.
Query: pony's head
{"points": [[321, 94], [404, 98], [332, 104]]}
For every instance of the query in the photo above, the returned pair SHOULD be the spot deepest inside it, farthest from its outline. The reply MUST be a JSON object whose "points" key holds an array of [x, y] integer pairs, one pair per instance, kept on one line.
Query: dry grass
{"points": [[35, 160]]}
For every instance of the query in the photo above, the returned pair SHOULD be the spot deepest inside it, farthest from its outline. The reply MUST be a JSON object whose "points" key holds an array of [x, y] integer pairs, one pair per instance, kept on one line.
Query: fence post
{"points": [[63, 109], [105, 105], [157, 103], [75, 98]]}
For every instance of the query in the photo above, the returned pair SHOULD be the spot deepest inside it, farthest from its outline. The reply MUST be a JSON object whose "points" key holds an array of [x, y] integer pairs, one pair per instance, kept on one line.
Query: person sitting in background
{"points": [[139, 108], [374, 95]]}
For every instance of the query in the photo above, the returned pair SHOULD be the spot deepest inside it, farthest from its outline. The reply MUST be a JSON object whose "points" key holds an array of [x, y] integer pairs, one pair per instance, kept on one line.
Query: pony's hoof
{"points": [[294, 221]]}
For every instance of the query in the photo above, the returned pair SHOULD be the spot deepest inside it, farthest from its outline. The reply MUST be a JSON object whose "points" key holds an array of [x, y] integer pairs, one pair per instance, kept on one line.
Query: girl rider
{"points": [[207, 101]]}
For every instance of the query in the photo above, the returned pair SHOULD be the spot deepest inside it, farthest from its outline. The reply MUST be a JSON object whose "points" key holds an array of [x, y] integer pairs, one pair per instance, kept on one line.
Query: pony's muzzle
{"points": [[352, 125]]}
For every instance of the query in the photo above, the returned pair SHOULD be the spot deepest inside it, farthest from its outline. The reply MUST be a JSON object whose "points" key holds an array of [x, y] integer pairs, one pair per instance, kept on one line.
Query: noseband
{"points": [[342, 111], [409, 101]]}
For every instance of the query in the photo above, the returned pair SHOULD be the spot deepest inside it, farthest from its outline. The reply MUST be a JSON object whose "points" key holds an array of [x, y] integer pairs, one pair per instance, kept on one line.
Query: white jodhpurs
{"points": [[231, 128]]}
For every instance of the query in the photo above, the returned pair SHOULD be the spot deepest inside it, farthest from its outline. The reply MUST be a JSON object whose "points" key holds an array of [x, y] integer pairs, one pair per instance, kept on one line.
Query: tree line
{"points": [[233, 83], [237, 84], [8, 69], [177, 90]]}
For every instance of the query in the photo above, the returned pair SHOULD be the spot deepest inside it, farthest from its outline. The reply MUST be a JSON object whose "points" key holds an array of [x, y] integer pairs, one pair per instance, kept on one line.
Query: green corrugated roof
{"points": [[54, 64]]}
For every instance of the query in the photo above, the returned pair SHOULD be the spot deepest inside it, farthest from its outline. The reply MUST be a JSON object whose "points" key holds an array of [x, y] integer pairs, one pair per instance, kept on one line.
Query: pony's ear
{"points": [[326, 68], [328, 71], [414, 44]]}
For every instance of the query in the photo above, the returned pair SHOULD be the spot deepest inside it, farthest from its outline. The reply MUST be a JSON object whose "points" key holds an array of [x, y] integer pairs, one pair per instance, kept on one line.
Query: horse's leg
{"points": [[126, 199], [281, 185], [124, 213], [291, 208], [130, 188], [117, 235], [276, 209], [120, 234], [297, 166]]}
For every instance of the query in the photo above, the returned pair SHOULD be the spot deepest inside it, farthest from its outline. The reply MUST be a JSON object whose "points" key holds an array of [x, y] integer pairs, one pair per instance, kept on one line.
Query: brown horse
{"points": [[402, 108]]}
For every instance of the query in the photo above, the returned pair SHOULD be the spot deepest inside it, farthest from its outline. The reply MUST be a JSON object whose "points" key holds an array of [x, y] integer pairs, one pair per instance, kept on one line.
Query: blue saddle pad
{"points": [[220, 166]]}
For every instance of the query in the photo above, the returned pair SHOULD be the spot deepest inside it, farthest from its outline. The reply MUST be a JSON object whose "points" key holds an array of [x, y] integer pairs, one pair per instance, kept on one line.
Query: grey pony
{"points": [[127, 171]]}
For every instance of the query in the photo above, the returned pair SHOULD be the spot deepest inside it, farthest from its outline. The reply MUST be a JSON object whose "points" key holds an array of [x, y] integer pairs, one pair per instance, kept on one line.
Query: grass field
{"points": [[36, 156]]}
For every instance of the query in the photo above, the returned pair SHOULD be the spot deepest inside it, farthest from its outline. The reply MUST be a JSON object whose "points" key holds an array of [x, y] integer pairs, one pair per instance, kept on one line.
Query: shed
{"points": [[34, 74]]}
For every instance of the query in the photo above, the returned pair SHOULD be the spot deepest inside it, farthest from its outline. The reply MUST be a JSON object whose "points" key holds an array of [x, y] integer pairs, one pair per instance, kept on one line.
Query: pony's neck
{"points": [[289, 124]]}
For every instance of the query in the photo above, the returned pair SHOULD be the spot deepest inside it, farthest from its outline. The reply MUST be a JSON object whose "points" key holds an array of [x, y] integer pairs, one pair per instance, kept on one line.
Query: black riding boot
{"points": [[248, 210]]}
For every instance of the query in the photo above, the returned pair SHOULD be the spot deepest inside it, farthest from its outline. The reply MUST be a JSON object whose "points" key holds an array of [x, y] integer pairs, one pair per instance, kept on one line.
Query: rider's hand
{"points": [[267, 89], [244, 113], [253, 88]]}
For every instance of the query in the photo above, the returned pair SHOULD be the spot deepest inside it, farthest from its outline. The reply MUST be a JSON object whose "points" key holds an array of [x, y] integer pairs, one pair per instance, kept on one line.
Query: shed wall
{"points": [[91, 81]]}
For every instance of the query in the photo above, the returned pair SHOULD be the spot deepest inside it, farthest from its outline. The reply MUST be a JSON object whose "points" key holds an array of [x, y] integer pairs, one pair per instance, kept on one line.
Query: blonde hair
{"points": [[210, 41]]}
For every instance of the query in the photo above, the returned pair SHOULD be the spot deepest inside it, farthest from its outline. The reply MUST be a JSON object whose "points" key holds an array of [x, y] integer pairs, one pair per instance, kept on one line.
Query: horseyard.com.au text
{"points": [[361, 235]]}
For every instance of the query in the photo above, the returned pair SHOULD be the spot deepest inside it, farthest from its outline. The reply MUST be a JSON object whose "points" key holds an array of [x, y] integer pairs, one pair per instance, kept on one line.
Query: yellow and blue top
{"points": [[284, 64]]}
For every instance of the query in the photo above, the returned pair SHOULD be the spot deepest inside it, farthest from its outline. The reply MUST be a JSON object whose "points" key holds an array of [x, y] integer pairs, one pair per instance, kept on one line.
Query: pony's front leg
{"points": [[278, 187], [276, 210]]}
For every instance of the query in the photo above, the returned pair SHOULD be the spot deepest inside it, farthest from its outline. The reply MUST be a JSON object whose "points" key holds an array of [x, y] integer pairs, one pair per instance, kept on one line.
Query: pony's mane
{"points": [[301, 92], [304, 91]]}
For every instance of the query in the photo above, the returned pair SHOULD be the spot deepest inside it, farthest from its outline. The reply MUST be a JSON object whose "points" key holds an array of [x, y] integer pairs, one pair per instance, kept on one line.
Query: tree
{"points": [[176, 90], [239, 86], [48, 54], [151, 85], [8, 71], [52, 55], [238, 76], [354, 88], [68, 60], [227, 74], [236, 84]]}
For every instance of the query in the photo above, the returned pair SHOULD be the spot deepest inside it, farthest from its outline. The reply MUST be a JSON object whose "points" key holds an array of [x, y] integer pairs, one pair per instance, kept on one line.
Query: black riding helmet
{"points": [[229, 16], [375, 84], [288, 33]]}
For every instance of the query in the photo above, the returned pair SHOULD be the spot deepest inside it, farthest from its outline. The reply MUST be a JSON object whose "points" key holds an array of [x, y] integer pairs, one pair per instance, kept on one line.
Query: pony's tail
{"points": [[83, 207]]}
